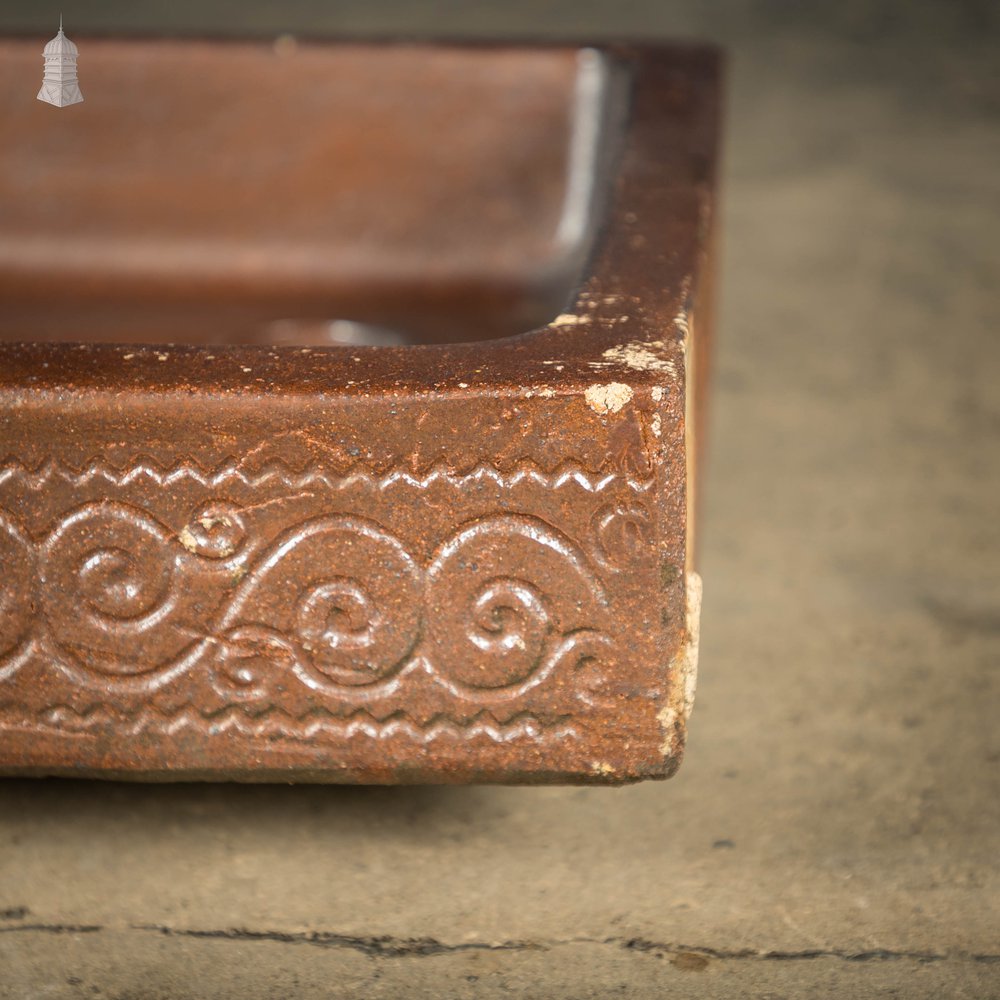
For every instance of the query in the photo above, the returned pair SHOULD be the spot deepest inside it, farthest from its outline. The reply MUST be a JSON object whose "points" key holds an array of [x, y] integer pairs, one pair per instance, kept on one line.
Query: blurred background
{"points": [[836, 826]]}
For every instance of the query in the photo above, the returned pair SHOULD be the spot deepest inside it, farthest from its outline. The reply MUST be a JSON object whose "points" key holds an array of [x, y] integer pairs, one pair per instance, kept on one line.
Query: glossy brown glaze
{"points": [[426, 563], [206, 191]]}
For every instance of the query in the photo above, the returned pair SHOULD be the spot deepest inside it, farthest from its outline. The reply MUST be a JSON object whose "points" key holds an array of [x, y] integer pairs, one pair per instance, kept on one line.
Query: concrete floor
{"points": [[836, 827]]}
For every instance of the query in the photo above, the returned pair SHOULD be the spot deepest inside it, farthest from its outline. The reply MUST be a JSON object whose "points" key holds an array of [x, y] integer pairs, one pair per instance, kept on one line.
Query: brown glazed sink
{"points": [[210, 193], [347, 410]]}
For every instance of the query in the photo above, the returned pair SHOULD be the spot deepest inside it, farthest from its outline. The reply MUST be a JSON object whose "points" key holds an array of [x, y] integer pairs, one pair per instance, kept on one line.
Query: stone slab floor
{"points": [[836, 828]]}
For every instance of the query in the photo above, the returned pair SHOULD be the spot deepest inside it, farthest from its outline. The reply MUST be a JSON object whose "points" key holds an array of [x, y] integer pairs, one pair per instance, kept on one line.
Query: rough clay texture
{"points": [[458, 563], [834, 829]]}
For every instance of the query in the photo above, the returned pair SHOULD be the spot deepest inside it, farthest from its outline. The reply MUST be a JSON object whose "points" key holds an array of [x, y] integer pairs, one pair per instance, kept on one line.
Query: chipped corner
{"points": [[673, 717], [683, 681], [608, 398]]}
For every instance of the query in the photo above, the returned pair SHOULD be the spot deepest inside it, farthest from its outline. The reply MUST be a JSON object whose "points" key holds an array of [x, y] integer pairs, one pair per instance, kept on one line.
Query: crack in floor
{"points": [[389, 946], [373, 945], [54, 928]]}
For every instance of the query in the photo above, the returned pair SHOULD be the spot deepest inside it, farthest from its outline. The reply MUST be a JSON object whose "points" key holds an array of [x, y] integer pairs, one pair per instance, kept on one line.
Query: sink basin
{"points": [[349, 398], [210, 192]]}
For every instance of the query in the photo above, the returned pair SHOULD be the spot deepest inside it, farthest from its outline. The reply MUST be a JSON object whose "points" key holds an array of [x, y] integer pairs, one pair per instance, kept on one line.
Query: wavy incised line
{"points": [[276, 721], [442, 727], [113, 712], [524, 471]]}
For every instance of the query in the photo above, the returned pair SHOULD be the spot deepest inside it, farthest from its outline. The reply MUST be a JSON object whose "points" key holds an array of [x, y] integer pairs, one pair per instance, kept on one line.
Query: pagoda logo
{"points": [[60, 85]]}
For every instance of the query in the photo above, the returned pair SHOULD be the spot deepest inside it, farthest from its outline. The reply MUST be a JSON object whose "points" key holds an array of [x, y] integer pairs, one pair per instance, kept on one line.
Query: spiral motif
{"points": [[623, 534], [509, 624], [337, 614], [336, 604], [345, 591], [17, 584], [490, 625], [108, 591], [118, 586]]}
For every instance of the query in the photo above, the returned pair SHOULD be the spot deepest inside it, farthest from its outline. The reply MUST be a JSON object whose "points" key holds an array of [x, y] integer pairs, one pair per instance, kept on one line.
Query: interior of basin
{"points": [[241, 192]]}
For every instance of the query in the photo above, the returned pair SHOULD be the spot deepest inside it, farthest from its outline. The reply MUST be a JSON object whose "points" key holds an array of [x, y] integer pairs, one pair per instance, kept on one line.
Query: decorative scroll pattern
{"points": [[270, 606], [338, 600]]}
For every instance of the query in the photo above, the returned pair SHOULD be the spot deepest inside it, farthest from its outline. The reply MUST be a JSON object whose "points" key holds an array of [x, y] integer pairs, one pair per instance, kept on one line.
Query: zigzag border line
{"points": [[276, 722], [565, 472]]}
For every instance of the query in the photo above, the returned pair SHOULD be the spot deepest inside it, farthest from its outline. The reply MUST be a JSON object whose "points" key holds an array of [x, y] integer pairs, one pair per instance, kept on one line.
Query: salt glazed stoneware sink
{"points": [[347, 410]]}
